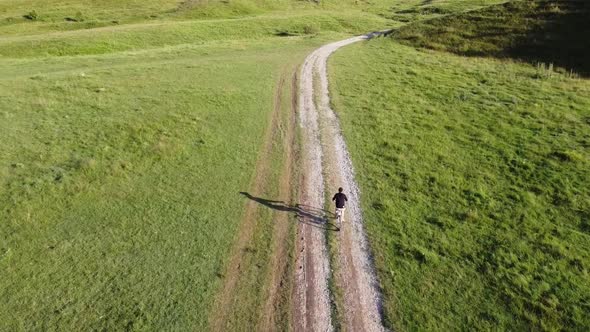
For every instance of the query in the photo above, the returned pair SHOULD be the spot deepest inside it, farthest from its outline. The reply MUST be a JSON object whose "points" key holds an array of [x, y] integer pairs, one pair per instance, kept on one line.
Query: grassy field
{"points": [[120, 182], [120, 171], [548, 32], [474, 174], [127, 130], [124, 143]]}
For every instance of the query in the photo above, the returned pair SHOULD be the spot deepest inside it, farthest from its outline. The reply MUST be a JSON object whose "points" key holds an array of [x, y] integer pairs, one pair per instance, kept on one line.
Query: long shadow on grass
{"points": [[305, 214], [560, 35], [548, 32]]}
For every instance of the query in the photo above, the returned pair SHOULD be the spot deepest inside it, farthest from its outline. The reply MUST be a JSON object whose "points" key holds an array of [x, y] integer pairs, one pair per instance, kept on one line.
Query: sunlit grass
{"points": [[474, 179], [127, 128], [120, 184]]}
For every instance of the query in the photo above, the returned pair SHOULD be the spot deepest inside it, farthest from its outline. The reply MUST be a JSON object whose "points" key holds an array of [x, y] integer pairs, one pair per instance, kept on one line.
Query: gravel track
{"points": [[326, 163], [312, 300]]}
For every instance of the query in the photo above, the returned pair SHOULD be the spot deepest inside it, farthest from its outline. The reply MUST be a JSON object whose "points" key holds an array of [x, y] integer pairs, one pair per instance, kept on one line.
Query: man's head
{"points": [[340, 189]]}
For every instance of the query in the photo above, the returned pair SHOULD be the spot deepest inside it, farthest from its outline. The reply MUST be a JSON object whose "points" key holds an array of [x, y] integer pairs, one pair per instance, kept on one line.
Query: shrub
{"points": [[32, 15], [311, 29], [79, 16], [554, 8]]}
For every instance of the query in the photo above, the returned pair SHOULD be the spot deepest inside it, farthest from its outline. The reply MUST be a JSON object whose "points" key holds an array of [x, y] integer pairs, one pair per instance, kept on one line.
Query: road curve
{"points": [[326, 165]]}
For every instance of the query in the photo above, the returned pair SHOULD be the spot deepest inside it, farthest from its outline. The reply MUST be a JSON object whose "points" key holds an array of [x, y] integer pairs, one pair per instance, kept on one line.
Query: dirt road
{"points": [[327, 166]]}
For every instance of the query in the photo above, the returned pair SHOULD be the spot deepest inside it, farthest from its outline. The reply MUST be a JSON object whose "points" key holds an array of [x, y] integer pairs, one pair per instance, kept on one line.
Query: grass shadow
{"points": [[552, 32], [560, 36]]}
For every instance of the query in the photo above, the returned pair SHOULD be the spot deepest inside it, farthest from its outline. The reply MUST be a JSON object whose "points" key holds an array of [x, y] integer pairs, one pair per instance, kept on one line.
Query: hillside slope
{"points": [[128, 129], [549, 32], [474, 176]]}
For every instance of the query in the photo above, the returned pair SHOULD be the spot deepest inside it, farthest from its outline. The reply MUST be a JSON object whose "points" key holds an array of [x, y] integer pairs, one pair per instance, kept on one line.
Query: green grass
{"points": [[155, 35], [119, 182], [409, 11], [474, 174], [58, 15], [123, 151], [550, 32], [251, 292], [127, 129]]}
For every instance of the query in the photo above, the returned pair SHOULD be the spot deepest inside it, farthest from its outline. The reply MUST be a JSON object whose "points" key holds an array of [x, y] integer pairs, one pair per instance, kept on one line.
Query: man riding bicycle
{"points": [[341, 200]]}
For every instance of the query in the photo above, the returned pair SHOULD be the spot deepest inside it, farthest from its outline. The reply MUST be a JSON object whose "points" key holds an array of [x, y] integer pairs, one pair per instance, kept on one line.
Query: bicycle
{"points": [[339, 217], [340, 200]]}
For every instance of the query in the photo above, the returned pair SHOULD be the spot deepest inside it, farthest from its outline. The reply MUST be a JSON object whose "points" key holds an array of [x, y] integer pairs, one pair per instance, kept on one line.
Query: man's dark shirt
{"points": [[340, 199]]}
